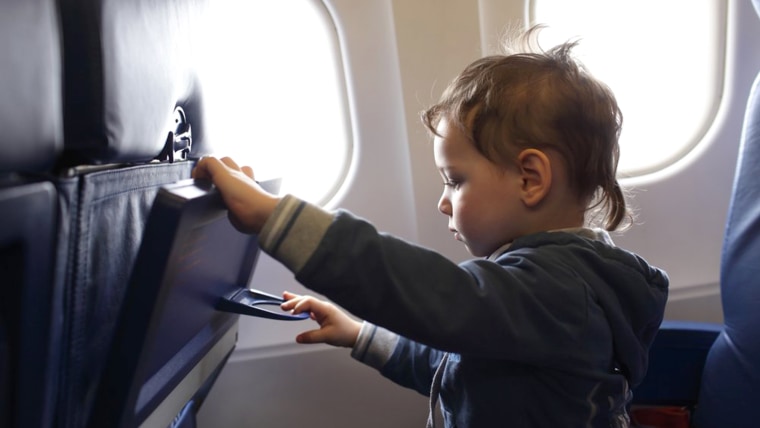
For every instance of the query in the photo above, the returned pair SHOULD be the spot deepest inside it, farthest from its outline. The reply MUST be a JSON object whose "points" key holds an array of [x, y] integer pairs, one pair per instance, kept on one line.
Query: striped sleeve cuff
{"points": [[293, 232], [374, 346]]}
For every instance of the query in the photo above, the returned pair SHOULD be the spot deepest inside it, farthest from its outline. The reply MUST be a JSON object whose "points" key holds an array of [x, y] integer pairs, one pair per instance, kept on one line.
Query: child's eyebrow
{"points": [[449, 171]]}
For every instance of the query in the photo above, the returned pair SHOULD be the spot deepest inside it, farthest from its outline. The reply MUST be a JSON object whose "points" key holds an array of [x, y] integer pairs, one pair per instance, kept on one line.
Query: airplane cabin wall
{"points": [[682, 211], [399, 56]]}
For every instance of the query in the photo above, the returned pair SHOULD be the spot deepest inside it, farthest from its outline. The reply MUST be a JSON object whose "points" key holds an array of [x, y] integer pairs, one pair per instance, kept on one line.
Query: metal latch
{"points": [[179, 141]]}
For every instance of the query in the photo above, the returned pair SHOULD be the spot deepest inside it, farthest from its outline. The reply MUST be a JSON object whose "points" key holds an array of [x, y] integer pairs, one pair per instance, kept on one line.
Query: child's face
{"points": [[480, 198]]}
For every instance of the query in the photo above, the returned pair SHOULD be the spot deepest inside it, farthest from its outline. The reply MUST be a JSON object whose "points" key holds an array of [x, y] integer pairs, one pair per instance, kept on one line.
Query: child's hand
{"points": [[335, 326], [249, 205]]}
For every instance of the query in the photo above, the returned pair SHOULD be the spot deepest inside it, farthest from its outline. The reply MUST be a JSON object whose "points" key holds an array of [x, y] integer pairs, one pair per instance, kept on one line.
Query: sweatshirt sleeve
{"points": [[374, 346], [405, 362], [293, 232]]}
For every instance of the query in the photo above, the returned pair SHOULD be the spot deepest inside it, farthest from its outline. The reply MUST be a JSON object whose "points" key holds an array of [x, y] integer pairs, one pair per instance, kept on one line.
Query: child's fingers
{"points": [[298, 303], [287, 295], [291, 300], [207, 167], [230, 163], [307, 304], [318, 310], [312, 336]]}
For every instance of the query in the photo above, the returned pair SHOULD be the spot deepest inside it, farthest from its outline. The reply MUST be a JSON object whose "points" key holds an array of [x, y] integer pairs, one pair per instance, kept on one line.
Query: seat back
{"points": [[30, 139], [130, 92], [730, 390]]}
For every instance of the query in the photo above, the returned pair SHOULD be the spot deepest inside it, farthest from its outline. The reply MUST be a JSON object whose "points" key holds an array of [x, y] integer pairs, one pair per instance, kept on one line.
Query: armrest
{"points": [[676, 360]]}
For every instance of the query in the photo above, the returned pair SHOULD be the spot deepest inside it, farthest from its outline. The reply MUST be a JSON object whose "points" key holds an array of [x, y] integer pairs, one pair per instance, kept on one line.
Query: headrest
{"points": [[30, 86], [127, 66]]}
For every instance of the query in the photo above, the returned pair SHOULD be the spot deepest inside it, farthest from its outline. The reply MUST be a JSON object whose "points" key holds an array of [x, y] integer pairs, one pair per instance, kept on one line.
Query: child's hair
{"points": [[531, 98]]}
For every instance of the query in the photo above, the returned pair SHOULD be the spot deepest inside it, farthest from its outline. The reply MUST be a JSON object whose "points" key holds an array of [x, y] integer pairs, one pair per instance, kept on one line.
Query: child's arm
{"points": [[249, 205], [335, 326]]}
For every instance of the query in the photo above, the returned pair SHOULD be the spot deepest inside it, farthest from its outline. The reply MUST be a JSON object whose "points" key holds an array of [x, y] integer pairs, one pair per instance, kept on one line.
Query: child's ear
{"points": [[536, 174]]}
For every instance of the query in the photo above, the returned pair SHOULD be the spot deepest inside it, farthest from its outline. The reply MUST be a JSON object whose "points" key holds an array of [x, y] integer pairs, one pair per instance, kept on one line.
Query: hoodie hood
{"points": [[631, 292]]}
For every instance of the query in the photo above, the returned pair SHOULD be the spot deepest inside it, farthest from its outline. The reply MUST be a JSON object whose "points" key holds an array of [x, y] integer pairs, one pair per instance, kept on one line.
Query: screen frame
{"points": [[130, 392]]}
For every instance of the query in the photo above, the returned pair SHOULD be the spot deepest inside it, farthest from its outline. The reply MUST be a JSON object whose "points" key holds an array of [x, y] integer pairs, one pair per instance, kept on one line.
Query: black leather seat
{"points": [[30, 139]]}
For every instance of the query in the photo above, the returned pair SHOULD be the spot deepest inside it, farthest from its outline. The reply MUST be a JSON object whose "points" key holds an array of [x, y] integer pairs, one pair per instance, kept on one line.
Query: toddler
{"points": [[550, 324]]}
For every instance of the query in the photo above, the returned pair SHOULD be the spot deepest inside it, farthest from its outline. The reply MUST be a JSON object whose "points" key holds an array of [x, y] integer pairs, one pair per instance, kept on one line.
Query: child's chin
{"points": [[474, 252]]}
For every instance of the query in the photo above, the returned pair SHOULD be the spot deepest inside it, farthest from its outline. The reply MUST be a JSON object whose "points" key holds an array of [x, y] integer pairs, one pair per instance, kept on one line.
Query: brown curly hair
{"points": [[531, 98]]}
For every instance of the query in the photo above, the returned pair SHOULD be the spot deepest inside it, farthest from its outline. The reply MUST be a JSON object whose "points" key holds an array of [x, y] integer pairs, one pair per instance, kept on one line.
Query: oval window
{"points": [[275, 94], [664, 60]]}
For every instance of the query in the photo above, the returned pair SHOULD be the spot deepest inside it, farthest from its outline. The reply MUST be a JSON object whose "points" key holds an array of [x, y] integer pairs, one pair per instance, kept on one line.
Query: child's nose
{"points": [[444, 205]]}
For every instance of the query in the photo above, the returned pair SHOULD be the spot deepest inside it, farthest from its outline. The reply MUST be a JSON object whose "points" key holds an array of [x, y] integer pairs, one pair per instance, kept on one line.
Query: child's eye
{"points": [[452, 183]]}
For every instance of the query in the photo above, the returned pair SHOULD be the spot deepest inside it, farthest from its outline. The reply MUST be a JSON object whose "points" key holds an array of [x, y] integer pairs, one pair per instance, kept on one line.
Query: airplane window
{"points": [[274, 93], [663, 59]]}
